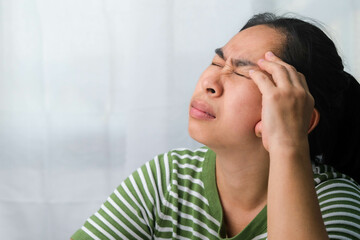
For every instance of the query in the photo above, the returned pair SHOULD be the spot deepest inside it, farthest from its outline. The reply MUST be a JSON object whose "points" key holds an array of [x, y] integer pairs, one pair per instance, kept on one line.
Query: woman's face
{"points": [[226, 104]]}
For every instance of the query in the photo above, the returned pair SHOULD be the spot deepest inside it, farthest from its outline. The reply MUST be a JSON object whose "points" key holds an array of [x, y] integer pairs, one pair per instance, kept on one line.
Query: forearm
{"points": [[293, 208]]}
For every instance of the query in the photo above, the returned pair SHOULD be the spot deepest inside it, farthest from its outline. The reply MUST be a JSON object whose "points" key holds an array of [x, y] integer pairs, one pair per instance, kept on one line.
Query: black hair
{"points": [[335, 141]]}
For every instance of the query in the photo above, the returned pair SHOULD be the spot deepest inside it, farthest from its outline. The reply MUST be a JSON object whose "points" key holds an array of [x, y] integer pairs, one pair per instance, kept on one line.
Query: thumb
{"points": [[258, 129]]}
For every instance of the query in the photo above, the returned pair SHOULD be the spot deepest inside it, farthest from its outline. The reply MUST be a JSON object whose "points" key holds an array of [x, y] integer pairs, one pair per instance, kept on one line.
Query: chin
{"points": [[196, 134], [203, 136]]}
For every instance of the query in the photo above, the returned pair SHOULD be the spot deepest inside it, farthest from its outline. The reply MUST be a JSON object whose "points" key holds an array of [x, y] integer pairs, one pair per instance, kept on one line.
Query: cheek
{"points": [[256, 103], [255, 99], [246, 106], [248, 96]]}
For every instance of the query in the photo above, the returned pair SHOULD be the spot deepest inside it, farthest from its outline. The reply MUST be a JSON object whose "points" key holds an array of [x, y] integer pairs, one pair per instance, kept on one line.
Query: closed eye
{"points": [[241, 75], [218, 65]]}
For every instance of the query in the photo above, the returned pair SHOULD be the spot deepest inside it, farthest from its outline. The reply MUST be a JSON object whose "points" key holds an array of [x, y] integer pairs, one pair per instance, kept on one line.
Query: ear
{"points": [[315, 118]]}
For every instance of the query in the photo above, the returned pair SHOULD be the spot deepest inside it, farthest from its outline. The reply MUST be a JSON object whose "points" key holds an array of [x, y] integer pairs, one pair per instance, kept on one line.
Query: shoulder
{"points": [[177, 157], [339, 199], [181, 160], [187, 156], [163, 168], [330, 183]]}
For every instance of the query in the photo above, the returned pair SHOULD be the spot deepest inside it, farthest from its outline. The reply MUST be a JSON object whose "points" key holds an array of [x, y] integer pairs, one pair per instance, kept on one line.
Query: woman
{"points": [[262, 123]]}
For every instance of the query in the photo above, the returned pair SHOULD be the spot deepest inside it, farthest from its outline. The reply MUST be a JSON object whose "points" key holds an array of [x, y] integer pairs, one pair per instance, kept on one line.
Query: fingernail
{"points": [[269, 54]]}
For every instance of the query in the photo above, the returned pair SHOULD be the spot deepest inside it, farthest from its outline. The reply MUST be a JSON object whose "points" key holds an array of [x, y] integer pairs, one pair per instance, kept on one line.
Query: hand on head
{"points": [[288, 113]]}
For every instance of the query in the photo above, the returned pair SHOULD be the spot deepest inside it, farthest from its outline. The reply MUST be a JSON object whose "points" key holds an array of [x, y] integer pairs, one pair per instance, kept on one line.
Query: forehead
{"points": [[252, 43]]}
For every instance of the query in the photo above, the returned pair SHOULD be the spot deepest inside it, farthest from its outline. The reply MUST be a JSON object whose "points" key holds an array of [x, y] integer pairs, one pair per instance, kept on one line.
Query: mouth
{"points": [[201, 110]]}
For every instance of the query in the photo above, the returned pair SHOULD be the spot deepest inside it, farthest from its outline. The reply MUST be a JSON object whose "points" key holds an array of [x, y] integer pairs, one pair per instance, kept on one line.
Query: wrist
{"points": [[290, 144], [283, 150]]}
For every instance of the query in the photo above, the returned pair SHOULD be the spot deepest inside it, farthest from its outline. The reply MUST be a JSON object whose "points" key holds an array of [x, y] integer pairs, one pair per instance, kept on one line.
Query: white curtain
{"points": [[92, 89]]}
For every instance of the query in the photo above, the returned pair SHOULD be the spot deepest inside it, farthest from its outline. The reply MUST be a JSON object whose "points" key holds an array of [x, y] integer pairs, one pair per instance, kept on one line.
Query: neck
{"points": [[242, 178]]}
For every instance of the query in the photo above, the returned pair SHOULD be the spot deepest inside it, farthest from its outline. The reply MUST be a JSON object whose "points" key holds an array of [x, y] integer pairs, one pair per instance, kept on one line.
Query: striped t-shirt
{"points": [[174, 196]]}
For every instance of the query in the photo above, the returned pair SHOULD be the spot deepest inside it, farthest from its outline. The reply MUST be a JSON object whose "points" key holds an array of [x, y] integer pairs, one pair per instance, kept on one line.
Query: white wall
{"points": [[91, 89]]}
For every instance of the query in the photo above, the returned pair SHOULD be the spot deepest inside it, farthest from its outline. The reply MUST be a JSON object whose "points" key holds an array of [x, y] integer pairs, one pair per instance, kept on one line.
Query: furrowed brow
{"points": [[242, 63], [235, 62]]}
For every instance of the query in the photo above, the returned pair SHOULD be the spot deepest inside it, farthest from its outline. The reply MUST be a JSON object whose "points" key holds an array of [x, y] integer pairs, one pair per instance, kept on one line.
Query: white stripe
{"points": [[198, 222], [159, 182], [89, 233], [161, 195], [143, 203], [342, 222], [340, 206], [187, 156], [315, 168], [202, 149], [317, 180], [180, 149], [165, 229], [208, 216], [187, 165], [190, 217], [152, 180], [144, 183], [188, 177], [176, 210], [194, 193], [120, 222], [333, 236], [136, 203], [110, 226], [341, 214], [161, 215], [167, 172], [343, 230], [127, 204], [190, 229], [333, 185], [100, 229], [195, 207], [336, 199], [180, 237], [189, 204], [337, 191], [264, 235]]}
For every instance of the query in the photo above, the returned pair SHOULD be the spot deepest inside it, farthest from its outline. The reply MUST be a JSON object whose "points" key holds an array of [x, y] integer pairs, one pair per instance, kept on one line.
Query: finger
{"points": [[279, 73], [303, 81], [270, 56], [296, 78], [258, 129], [264, 83]]}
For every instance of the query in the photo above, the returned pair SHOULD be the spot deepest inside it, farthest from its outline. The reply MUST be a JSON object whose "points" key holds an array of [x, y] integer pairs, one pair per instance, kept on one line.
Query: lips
{"points": [[201, 110]]}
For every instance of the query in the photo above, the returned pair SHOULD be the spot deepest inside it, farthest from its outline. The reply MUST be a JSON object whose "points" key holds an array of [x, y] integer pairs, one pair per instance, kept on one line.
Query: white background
{"points": [[92, 89]]}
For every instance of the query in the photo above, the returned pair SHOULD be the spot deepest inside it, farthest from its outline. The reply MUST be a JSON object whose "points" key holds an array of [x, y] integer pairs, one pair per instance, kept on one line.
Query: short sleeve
{"points": [[128, 213], [339, 201]]}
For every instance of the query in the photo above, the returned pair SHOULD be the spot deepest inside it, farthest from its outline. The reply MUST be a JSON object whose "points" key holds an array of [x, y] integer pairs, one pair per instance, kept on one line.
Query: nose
{"points": [[212, 85]]}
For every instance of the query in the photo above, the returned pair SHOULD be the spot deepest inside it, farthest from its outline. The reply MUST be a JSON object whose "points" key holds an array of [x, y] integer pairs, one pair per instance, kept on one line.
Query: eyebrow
{"points": [[235, 62]]}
